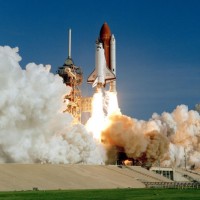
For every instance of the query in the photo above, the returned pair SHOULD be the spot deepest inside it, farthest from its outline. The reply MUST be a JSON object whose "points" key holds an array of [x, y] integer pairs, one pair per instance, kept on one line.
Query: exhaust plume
{"points": [[139, 139], [170, 138]]}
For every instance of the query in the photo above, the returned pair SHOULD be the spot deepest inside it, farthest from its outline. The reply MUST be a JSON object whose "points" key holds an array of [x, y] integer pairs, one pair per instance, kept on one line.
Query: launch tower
{"points": [[73, 77]]}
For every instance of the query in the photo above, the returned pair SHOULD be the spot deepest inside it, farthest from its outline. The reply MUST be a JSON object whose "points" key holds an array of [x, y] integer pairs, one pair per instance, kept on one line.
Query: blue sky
{"points": [[158, 45]]}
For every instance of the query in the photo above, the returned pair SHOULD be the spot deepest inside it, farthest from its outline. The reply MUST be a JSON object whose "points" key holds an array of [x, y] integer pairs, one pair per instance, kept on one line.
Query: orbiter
{"points": [[105, 61]]}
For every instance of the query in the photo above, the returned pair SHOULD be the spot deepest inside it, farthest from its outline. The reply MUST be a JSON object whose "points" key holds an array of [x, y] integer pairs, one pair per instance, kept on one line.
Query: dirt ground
{"points": [[53, 177]]}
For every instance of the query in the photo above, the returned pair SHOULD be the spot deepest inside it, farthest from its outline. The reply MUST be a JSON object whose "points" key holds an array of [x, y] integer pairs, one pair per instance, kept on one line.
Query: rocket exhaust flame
{"points": [[96, 123], [112, 103], [102, 108]]}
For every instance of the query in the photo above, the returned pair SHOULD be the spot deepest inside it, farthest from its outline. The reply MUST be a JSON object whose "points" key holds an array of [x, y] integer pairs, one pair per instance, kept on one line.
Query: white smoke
{"points": [[183, 131], [32, 125]]}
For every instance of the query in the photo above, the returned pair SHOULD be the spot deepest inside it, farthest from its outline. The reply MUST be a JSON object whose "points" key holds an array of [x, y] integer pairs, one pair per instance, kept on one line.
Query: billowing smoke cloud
{"points": [[172, 138], [139, 139], [183, 132], [32, 125]]}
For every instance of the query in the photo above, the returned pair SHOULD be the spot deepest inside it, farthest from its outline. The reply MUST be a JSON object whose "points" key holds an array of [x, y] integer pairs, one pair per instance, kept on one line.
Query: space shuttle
{"points": [[105, 61]]}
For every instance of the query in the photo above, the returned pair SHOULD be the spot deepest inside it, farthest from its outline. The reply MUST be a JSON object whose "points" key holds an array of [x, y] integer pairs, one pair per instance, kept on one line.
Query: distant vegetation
{"points": [[115, 194]]}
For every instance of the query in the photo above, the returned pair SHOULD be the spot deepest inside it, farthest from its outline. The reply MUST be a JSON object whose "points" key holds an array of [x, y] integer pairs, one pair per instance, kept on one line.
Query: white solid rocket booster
{"points": [[101, 74], [113, 62]]}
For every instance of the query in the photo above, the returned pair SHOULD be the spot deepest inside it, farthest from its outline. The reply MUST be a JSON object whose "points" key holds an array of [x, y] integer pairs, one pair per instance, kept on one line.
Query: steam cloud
{"points": [[32, 125], [172, 138], [139, 139], [182, 128]]}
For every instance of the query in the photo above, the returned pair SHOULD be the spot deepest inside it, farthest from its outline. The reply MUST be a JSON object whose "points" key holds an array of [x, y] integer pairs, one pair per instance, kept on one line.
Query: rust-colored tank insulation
{"points": [[105, 36]]}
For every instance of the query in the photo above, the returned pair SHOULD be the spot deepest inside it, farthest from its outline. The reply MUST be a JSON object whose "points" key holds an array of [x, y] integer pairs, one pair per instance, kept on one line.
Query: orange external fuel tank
{"points": [[105, 36]]}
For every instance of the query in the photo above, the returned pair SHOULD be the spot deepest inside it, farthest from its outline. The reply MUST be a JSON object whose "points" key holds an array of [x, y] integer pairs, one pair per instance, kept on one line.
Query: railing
{"points": [[178, 185]]}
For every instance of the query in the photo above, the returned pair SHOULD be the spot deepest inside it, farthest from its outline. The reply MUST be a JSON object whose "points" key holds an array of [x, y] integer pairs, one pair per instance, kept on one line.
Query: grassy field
{"points": [[121, 194]]}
